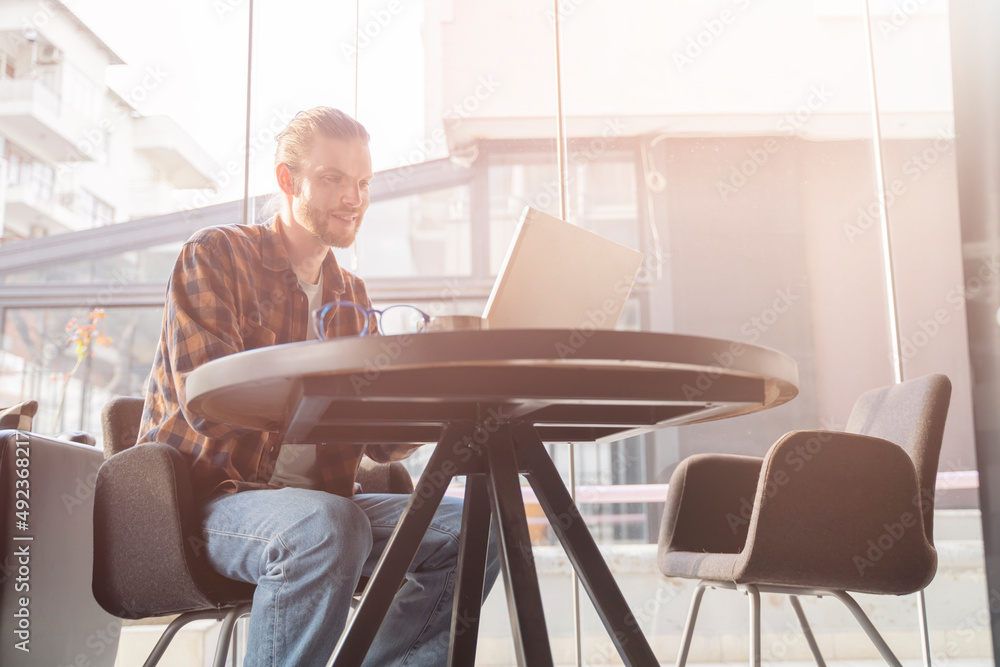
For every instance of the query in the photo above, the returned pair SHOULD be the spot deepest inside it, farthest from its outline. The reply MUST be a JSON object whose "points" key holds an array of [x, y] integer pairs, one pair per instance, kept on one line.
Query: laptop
{"points": [[559, 276]]}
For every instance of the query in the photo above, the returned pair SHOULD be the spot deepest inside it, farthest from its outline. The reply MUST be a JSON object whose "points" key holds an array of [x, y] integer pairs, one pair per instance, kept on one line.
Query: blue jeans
{"points": [[306, 550]]}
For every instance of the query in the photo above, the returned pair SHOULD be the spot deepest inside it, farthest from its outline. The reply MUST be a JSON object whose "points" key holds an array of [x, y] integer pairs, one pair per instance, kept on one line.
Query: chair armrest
{"points": [[840, 510], [709, 503], [147, 548], [81, 437], [121, 419]]}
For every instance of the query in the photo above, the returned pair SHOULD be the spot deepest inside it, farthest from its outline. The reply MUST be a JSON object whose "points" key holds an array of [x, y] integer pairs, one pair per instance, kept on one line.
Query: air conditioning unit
{"points": [[50, 55]]}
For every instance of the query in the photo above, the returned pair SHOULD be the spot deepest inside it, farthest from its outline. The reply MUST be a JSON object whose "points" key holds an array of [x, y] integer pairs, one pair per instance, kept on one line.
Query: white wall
{"points": [[724, 67]]}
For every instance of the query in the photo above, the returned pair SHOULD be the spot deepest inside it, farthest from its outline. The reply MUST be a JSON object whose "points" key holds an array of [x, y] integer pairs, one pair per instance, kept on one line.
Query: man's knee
{"points": [[448, 520], [331, 527], [449, 513]]}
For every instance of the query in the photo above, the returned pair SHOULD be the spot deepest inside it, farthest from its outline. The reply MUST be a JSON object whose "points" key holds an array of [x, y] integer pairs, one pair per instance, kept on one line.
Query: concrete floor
{"points": [[956, 599]]}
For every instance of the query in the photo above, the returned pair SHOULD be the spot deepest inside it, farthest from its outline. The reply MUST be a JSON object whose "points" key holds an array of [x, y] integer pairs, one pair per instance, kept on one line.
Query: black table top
{"points": [[580, 385]]}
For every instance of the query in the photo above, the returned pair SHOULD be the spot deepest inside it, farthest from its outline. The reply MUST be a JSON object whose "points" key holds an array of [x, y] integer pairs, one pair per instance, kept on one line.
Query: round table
{"points": [[490, 399]]}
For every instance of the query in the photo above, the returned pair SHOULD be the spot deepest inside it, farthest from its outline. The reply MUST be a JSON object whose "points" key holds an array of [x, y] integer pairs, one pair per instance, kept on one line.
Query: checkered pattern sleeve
{"points": [[233, 289], [203, 323]]}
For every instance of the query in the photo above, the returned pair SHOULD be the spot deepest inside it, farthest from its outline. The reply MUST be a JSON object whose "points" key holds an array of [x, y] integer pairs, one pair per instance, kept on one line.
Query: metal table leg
{"points": [[471, 572], [579, 544], [450, 457], [524, 601]]}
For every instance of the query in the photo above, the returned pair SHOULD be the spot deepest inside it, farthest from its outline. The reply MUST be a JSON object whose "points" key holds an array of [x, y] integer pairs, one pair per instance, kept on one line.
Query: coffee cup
{"points": [[456, 323]]}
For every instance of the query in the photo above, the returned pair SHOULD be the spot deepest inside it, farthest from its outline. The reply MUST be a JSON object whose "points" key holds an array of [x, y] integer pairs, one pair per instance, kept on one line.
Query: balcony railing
{"points": [[35, 117], [32, 91], [36, 198]]}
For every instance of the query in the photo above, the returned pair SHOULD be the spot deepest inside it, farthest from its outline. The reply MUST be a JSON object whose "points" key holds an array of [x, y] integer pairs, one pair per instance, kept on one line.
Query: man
{"points": [[292, 523]]}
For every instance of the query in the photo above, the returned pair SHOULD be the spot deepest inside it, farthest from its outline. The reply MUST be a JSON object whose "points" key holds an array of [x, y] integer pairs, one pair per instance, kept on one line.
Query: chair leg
{"points": [[807, 631], [164, 641], [234, 648], [682, 654], [754, 596], [226, 633], [925, 635], [869, 628]]}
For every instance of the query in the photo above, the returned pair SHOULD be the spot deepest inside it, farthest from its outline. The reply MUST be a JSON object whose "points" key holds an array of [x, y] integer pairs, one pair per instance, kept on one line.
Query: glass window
{"points": [[41, 180], [517, 180], [92, 210], [15, 162], [420, 235], [41, 361], [732, 144], [8, 65]]}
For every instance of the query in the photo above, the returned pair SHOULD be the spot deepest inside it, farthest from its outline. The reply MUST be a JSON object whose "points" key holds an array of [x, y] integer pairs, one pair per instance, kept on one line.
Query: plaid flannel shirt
{"points": [[233, 289]]}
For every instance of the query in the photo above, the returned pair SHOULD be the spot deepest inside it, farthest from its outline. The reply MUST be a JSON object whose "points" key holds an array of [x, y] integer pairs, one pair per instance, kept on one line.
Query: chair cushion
{"points": [[384, 477], [19, 416], [699, 565]]}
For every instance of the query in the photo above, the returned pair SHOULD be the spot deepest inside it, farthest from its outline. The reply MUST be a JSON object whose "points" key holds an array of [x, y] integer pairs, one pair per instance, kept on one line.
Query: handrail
{"points": [[657, 493]]}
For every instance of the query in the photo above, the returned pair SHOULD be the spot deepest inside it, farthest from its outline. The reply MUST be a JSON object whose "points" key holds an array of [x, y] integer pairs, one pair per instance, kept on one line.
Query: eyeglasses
{"points": [[391, 321]]}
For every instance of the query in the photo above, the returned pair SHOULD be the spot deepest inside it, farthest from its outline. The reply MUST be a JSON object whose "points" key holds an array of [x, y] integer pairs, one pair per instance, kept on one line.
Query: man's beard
{"points": [[316, 223]]}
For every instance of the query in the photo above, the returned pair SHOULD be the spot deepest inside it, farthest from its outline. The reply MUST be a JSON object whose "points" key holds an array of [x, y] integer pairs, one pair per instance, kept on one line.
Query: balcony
{"points": [[173, 152], [29, 210], [33, 115]]}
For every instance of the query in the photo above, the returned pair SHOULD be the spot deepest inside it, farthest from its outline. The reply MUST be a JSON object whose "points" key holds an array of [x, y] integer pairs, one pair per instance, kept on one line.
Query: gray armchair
{"points": [[48, 615], [147, 551], [823, 513]]}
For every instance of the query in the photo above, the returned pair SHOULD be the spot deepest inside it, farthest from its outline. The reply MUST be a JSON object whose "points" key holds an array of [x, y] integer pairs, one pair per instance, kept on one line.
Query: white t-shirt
{"points": [[296, 465]]}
